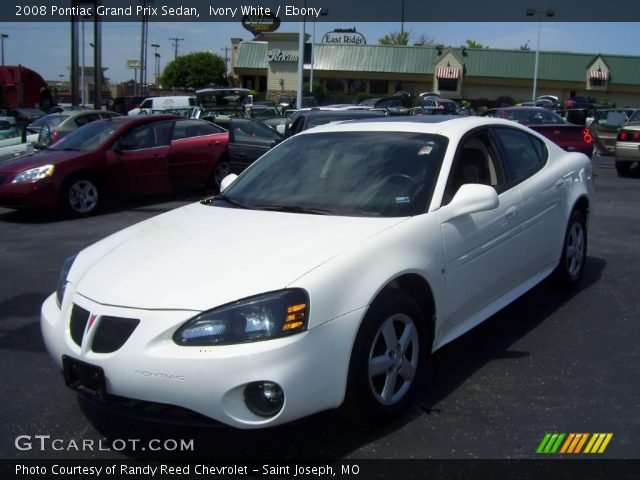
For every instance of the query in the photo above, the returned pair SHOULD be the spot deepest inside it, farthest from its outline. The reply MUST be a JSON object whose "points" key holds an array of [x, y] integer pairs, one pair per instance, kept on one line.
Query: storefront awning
{"points": [[448, 72], [599, 74]]}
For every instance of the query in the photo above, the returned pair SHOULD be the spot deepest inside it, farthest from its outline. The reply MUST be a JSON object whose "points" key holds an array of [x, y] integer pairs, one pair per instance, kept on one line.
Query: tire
{"points": [[221, 170], [388, 359], [81, 196], [574, 252], [623, 168]]}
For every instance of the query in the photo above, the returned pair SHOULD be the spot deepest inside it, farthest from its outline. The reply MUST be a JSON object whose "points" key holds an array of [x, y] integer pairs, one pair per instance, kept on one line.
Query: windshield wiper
{"points": [[230, 200], [294, 209]]}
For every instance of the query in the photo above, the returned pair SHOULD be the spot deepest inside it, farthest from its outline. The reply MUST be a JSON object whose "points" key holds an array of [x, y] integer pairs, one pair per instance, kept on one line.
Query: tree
{"points": [[194, 70], [474, 44], [425, 41], [395, 38]]}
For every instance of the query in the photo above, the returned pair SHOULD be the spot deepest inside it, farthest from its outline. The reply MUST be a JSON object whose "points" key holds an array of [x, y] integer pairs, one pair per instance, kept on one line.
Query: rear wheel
{"points": [[623, 168], [221, 170], [574, 252], [81, 196], [388, 358]]}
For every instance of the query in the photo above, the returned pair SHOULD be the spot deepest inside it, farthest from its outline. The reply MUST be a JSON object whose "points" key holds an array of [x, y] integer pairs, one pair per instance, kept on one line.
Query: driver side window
{"points": [[475, 162]]}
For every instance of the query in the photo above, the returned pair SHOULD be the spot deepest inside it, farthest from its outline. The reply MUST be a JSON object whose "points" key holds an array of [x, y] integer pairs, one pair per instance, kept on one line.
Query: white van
{"points": [[154, 104]]}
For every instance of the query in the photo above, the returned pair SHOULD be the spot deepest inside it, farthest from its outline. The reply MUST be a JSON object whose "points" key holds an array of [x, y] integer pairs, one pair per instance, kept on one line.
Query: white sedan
{"points": [[326, 273]]}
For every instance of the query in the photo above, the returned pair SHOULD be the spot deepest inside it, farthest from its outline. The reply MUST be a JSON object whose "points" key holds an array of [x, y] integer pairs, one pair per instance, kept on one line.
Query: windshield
{"points": [[344, 173], [635, 117], [50, 120], [528, 116], [611, 117], [87, 138]]}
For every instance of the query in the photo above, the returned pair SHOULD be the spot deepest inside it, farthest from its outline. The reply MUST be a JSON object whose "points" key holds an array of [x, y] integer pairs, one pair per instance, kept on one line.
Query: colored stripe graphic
{"points": [[553, 443]]}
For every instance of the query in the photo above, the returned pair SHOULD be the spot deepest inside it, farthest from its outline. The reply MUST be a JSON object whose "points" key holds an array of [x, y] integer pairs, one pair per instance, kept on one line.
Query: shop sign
{"points": [[277, 55], [258, 24], [344, 36]]}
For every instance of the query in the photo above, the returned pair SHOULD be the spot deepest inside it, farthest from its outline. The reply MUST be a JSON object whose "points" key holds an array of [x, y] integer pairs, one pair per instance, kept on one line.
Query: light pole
{"points": [[530, 13], [156, 46], [2, 37], [323, 12]]}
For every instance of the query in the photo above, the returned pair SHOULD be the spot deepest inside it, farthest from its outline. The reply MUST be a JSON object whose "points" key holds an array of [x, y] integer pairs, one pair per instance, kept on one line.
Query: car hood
{"points": [[37, 159], [199, 256]]}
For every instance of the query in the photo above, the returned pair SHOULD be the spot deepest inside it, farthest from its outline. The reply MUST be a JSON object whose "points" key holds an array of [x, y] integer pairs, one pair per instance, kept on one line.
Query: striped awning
{"points": [[599, 74], [448, 72]]}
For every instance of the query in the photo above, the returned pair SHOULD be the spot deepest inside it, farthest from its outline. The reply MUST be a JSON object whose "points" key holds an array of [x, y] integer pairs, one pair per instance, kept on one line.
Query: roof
{"points": [[479, 62]]}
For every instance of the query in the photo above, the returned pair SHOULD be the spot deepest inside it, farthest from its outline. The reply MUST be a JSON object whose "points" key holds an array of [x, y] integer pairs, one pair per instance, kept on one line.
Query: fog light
{"points": [[264, 398]]}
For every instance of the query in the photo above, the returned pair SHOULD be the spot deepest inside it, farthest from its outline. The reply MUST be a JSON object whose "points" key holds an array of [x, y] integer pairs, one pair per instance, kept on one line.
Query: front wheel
{"points": [[221, 170], [574, 252], [388, 358], [81, 196]]}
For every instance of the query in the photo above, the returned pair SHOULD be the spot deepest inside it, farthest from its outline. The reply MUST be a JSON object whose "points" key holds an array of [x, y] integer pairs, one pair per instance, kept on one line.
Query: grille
{"points": [[78, 323], [112, 332]]}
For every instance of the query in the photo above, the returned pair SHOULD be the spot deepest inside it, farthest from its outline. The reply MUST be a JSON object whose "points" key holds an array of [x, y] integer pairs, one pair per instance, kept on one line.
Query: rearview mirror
{"points": [[470, 198], [226, 181]]}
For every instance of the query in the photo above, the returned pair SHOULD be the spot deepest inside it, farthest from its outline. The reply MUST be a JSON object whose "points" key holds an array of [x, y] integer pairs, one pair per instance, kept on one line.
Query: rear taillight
{"points": [[53, 138], [629, 135], [586, 136]]}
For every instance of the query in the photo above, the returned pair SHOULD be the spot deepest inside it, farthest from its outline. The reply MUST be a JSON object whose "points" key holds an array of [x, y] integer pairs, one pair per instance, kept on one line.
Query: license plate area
{"points": [[84, 377]]}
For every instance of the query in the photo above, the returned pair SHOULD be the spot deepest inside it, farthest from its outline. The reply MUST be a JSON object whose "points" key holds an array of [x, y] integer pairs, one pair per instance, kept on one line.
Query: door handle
{"points": [[511, 212], [217, 142]]}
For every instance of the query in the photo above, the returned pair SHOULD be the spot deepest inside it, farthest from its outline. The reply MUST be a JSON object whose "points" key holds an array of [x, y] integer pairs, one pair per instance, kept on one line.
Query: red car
{"points": [[570, 137], [145, 154]]}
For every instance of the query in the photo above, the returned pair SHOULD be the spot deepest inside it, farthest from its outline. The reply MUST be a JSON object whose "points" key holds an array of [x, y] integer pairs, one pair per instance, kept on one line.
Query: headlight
{"points": [[62, 281], [34, 174], [262, 317]]}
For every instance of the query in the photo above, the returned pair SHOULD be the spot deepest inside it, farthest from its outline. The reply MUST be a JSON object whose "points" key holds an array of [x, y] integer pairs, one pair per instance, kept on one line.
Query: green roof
{"points": [[252, 55], [485, 62]]}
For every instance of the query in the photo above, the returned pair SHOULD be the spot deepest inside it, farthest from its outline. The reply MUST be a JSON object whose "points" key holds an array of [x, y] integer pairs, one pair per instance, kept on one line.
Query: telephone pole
{"points": [[226, 63], [176, 42]]}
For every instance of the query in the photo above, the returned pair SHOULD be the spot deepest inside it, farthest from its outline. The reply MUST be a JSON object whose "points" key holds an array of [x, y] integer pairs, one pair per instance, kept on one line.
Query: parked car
{"points": [[248, 141], [325, 274], [15, 140], [605, 126], [158, 104], [264, 112], [450, 107], [427, 111], [305, 119], [55, 126], [573, 138], [145, 154], [395, 106], [627, 150]]}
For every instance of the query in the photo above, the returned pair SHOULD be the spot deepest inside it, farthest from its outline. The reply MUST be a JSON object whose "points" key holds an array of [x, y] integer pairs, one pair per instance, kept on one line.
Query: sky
{"points": [[45, 47]]}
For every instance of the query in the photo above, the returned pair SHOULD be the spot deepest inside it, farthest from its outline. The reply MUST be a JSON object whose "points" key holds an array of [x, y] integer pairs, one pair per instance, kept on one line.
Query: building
{"points": [[352, 71]]}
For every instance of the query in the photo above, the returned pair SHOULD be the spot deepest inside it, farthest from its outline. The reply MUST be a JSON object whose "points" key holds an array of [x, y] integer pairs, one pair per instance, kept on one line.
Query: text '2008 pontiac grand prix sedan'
{"points": [[326, 273]]}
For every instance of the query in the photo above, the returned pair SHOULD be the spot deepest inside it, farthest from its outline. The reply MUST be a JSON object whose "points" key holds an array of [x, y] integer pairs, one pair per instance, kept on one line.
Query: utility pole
{"points": [[143, 44], [226, 63], [176, 41], [2, 37]]}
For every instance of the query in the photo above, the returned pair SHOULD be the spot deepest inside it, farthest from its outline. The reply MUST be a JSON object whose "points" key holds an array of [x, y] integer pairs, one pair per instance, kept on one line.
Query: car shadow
{"points": [[330, 435]]}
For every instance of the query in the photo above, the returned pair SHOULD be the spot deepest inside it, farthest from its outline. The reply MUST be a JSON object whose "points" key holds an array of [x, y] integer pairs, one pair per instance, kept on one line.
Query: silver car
{"points": [[627, 149], [56, 126]]}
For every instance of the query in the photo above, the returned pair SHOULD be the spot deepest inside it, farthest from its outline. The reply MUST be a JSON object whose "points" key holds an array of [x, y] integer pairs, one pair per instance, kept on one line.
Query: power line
{"points": [[176, 42]]}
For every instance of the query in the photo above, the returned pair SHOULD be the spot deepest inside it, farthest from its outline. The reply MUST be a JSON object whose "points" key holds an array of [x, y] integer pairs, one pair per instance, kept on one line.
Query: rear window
{"points": [[616, 118]]}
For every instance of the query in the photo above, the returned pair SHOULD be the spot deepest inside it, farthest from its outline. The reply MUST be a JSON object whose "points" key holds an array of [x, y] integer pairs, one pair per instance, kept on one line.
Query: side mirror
{"points": [[470, 198], [40, 146], [226, 181]]}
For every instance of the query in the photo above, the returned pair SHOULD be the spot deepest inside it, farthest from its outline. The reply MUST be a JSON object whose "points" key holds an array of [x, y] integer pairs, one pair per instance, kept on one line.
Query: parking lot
{"points": [[550, 362]]}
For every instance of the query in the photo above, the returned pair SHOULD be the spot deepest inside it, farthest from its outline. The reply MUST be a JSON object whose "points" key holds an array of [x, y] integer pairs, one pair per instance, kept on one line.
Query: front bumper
{"points": [[40, 194], [310, 367]]}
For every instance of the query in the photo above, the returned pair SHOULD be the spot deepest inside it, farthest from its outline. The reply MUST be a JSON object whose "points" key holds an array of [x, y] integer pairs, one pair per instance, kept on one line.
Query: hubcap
{"points": [[393, 359], [575, 249], [83, 196]]}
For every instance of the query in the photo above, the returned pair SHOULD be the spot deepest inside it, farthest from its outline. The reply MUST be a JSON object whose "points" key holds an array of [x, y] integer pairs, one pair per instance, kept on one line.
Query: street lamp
{"points": [[323, 12], [530, 13], [2, 37], [156, 46]]}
